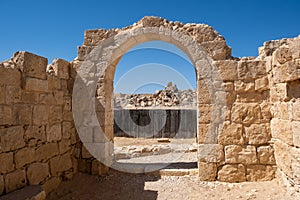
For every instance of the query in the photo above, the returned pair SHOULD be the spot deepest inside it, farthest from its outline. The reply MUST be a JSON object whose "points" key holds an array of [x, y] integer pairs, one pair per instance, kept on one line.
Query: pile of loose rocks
{"points": [[168, 97]]}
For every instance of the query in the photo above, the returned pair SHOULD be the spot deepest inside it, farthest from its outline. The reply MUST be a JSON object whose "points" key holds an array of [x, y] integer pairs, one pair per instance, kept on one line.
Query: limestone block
{"points": [[266, 115], [60, 164], [217, 50], [296, 133], [30, 97], [64, 146], [40, 114], [226, 70], [282, 110], [53, 132], [282, 129], [59, 97], [246, 113], [15, 180], [22, 114], [31, 65], [83, 52], [204, 113], [231, 134], [212, 153], [2, 185], [35, 85], [296, 110], [257, 134], [46, 151], [2, 94], [10, 76], [11, 138], [47, 98], [279, 92], [35, 134], [251, 69], [94, 37], [207, 171], [37, 172], [282, 55], [61, 68], [262, 84], [67, 103], [6, 115], [260, 173], [55, 115], [67, 128], [54, 83], [13, 94], [51, 184], [265, 155], [287, 72], [85, 153], [237, 154], [232, 173], [7, 162], [24, 156], [244, 87]]}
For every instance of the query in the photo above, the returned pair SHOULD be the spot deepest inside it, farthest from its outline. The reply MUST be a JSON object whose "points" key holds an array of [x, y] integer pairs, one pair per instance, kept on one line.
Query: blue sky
{"points": [[55, 28]]}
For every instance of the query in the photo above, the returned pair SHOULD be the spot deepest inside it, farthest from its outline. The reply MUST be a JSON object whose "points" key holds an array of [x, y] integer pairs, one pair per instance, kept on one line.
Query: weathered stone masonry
{"points": [[260, 134]]}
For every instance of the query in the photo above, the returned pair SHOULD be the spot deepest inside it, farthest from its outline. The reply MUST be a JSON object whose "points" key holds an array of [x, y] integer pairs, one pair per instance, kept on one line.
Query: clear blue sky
{"points": [[53, 28]]}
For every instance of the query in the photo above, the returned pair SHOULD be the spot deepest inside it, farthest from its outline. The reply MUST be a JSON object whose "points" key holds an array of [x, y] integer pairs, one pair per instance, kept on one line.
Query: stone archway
{"points": [[226, 125]]}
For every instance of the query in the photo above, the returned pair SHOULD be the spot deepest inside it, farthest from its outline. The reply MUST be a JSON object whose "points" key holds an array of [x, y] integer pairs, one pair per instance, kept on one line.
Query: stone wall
{"points": [[284, 56], [37, 135]]}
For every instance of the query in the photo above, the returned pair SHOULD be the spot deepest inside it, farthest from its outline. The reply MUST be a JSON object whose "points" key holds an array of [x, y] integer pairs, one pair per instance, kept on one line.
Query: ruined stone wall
{"points": [[237, 149], [37, 135], [284, 58]]}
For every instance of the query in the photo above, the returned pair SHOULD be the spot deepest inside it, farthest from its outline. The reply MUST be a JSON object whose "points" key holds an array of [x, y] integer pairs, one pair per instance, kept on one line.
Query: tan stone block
{"points": [[51, 184], [40, 114], [59, 97], [279, 92], [251, 69], [47, 98], [281, 110], [60, 164], [232, 173], [204, 113], [213, 153], [30, 97], [67, 128], [265, 112], [2, 185], [282, 55], [296, 110], [67, 103], [296, 133], [53, 133], [31, 65], [97, 167], [207, 171], [15, 180], [265, 155], [260, 173], [13, 94], [204, 97], [286, 72], [54, 83], [262, 84], [242, 86], [35, 85], [46, 151], [23, 114], [257, 134], [37, 172], [10, 76], [2, 94], [235, 154], [64, 146], [246, 113], [231, 134], [25, 156], [61, 68], [7, 162], [227, 70], [55, 115], [6, 115], [35, 134], [282, 129], [11, 138]]}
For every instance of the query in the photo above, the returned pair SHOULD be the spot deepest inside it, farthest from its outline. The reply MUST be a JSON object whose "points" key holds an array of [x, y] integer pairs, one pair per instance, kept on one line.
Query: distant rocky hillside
{"points": [[168, 97]]}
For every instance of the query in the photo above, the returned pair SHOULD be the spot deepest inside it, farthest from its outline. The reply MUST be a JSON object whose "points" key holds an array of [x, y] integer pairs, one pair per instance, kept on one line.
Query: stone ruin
{"points": [[259, 139], [170, 96]]}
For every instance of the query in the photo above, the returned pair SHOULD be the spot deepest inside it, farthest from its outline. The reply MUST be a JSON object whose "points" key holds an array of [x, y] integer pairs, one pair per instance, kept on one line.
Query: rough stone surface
{"points": [[237, 154], [7, 162], [207, 171], [37, 172], [25, 156], [232, 173], [260, 173], [15, 180]]}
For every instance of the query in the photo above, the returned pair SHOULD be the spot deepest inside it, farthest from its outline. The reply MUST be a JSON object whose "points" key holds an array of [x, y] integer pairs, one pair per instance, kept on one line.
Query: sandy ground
{"points": [[122, 186], [117, 186]]}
